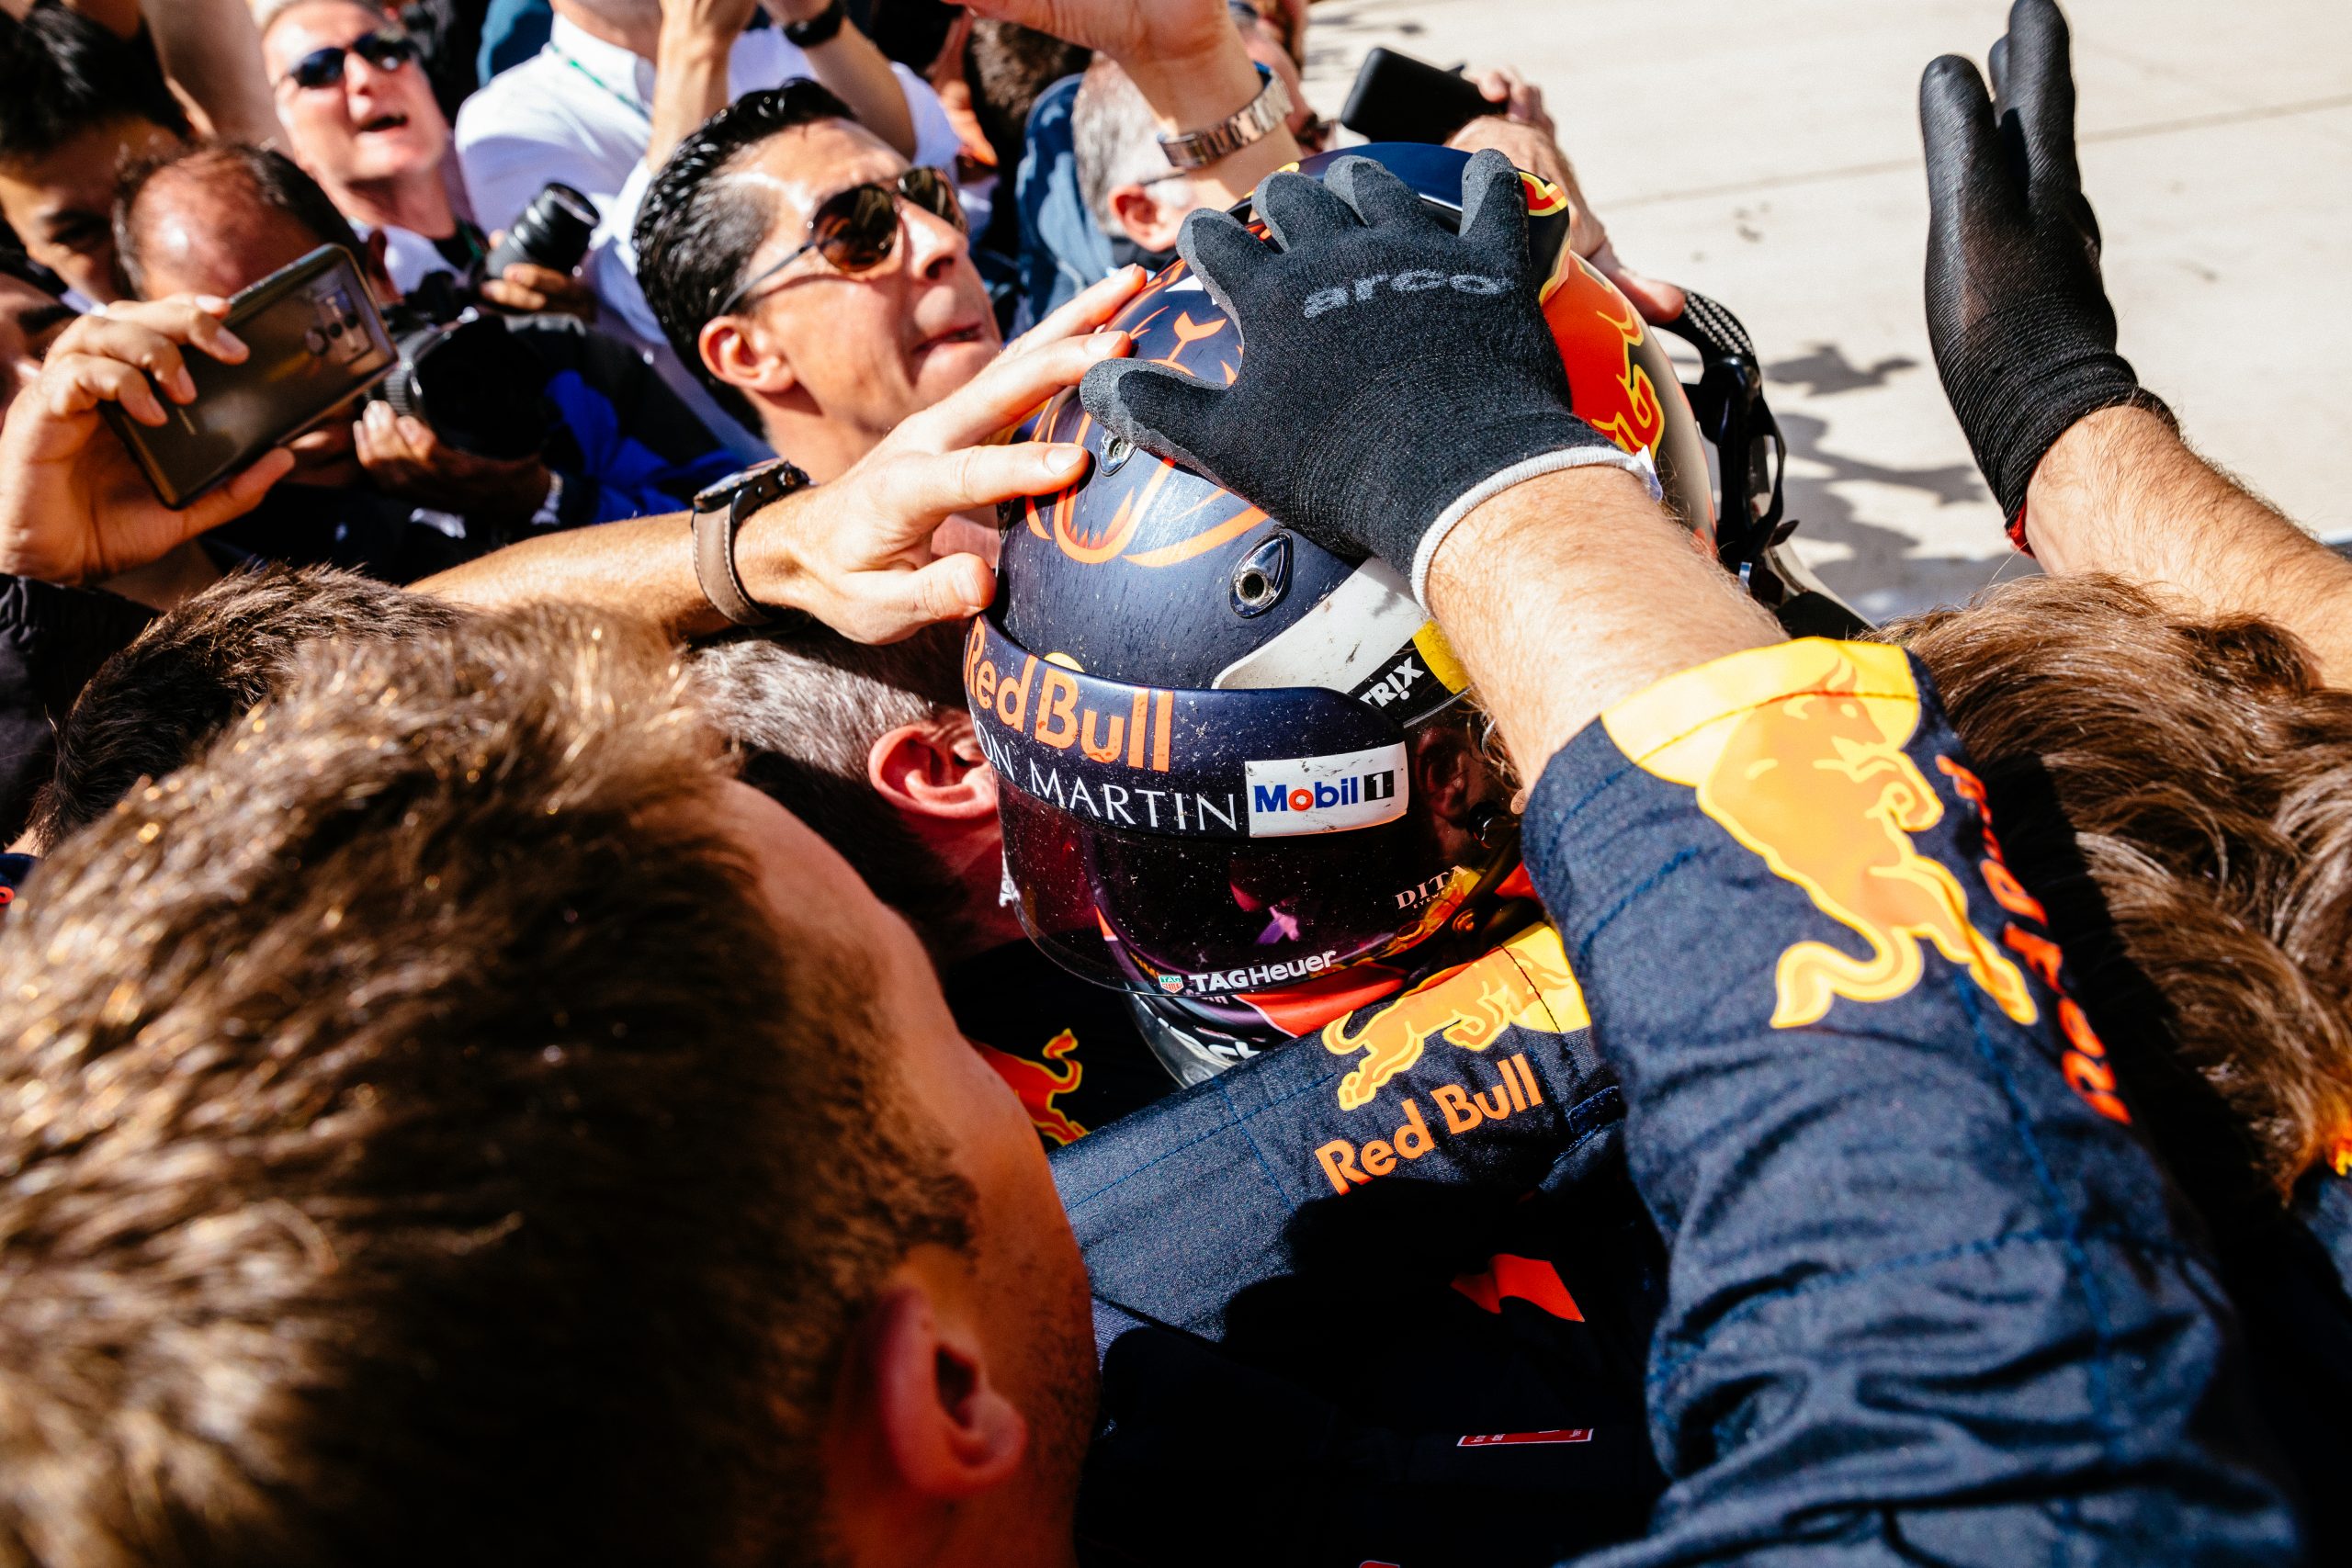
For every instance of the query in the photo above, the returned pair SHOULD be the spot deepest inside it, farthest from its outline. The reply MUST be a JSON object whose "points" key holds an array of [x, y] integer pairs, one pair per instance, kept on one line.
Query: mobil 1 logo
{"points": [[1326, 795]]}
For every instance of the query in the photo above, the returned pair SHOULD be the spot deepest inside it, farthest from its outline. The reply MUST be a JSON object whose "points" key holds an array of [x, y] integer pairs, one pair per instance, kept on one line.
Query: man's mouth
{"points": [[383, 122], [970, 333]]}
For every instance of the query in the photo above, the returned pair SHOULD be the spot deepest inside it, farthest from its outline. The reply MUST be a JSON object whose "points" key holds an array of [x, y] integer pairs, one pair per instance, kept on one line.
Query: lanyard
{"points": [[626, 100]]}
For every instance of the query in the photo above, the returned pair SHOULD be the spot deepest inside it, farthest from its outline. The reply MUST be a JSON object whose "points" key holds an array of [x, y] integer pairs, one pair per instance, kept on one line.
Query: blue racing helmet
{"points": [[1235, 769]]}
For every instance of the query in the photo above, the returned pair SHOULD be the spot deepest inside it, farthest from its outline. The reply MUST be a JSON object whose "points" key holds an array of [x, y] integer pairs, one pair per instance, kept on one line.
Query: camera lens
{"points": [[476, 386], [552, 232]]}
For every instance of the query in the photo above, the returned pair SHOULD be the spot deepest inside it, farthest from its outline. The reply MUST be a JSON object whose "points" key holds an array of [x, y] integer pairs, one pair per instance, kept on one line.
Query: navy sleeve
{"points": [[1928, 1296]]}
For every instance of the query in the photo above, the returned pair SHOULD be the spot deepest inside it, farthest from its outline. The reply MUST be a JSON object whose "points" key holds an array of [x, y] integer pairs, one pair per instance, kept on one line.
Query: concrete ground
{"points": [[1769, 154]]}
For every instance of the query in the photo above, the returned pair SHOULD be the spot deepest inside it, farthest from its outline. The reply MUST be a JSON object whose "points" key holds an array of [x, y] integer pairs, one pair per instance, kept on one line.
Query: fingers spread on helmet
{"points": [[1494, 205], [1223, 253], [1298, 211], [1379, 198]]}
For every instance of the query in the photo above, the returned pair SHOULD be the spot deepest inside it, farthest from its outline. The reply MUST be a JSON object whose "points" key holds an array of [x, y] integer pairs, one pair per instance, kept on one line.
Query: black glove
{"points": [[2024, 336], [1395, 376]]}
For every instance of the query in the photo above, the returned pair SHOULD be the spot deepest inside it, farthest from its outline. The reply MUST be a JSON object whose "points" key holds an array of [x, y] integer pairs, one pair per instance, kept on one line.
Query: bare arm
{"points": [[210, 48], [1187, 59], [856, 553], [1571, 591], [2122, 492], [690, 72]]}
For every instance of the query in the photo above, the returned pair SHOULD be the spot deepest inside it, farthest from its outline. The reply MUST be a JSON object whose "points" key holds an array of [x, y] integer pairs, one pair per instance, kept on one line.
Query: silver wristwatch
{"points": [[1199, 149]]}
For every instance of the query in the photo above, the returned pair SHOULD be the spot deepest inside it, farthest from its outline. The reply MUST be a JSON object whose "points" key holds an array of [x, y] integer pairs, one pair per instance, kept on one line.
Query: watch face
{"points": [[776, 477]]}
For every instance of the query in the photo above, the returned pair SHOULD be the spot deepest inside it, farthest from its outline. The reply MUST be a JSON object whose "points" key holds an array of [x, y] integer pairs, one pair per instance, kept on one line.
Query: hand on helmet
{"points": [[2023, 334], [1394, 375]]}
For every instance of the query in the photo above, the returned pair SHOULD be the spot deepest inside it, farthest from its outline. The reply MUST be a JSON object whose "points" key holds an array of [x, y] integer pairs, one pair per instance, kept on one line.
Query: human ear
{"points": [[1151, 223], [743, 358], [1446, 772], [934, 768], [946, 1432]]}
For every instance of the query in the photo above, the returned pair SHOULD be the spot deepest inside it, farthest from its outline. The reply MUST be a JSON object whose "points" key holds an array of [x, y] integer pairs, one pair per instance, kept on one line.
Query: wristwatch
{"points": [[718, 518], [818, 28], [1257, 121]]}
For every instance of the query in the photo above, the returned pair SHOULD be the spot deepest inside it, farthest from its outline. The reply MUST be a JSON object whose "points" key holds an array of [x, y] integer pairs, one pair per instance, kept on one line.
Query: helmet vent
{"points": [[1262, 578]]}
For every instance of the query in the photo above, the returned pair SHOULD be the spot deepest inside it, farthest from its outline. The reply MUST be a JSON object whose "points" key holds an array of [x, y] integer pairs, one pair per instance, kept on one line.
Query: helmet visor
{"points": [[1222, 917]]}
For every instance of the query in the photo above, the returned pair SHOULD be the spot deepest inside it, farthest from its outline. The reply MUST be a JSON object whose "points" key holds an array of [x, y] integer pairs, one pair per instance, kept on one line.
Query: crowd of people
{"points": [[953, 921]]}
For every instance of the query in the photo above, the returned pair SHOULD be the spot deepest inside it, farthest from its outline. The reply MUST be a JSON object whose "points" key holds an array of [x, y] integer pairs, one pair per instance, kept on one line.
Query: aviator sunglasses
{"points": [[386, 49], [857, 230]]}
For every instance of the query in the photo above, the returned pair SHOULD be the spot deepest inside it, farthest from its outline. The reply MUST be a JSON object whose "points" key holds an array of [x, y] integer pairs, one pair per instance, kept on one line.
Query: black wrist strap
{"points": [[818, 28], [716, 526]]}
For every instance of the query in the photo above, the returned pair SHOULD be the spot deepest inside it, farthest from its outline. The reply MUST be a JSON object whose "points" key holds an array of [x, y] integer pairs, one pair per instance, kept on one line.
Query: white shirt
{"points": [[582, 111]]}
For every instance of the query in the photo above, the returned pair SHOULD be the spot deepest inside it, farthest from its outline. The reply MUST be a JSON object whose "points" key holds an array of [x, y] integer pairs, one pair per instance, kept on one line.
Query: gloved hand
{"points": [[2023, 333], [1394, 375]]}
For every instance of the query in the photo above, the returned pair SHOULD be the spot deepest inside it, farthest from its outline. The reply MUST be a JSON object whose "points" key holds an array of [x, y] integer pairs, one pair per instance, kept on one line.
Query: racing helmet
{"points": [[1236, 778]]}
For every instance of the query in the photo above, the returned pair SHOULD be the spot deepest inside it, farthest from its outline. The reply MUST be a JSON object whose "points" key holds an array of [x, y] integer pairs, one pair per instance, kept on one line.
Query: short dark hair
{"points": [[152, 706], [275, 181], [697, 228], [61, 75], [804, 709], [1008, 67], [425, 1143], [2198, 773]]}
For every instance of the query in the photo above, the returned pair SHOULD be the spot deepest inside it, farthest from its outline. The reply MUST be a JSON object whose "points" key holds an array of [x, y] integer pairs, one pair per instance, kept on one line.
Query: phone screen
{"points": [[316, 341]]}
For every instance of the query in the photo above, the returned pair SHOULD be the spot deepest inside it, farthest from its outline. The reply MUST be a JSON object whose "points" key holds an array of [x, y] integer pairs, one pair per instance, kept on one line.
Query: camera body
{"points": [[472, 381]]}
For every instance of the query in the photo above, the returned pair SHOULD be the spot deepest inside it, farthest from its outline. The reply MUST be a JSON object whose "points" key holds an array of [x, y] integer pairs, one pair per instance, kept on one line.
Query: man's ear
{"points": [[1150, 221], [741, 355], [946, 1432], [934, 768]]}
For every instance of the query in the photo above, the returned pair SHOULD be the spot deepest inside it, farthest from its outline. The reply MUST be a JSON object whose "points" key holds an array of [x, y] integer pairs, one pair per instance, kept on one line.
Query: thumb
{"points": [[241, 494], [888, 607], [1158, 408]]}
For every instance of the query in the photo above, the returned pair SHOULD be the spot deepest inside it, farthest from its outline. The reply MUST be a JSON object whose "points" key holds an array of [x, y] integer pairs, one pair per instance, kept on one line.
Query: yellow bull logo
{"points": [[1798, 751], [1525, 984]]}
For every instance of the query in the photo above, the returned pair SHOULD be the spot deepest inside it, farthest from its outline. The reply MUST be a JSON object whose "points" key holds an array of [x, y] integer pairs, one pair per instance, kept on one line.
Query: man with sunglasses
{"points": [[362, 120]]}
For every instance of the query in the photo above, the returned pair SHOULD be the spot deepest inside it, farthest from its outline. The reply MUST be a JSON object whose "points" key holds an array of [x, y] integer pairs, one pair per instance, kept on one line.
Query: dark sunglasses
{"points": [[857, 230], [386, 49]]}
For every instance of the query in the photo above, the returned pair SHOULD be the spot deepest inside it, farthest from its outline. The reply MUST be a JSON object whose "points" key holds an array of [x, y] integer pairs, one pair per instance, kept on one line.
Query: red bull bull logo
{"points": [[1798, 751], [1525, 984], [1039, 1084]]}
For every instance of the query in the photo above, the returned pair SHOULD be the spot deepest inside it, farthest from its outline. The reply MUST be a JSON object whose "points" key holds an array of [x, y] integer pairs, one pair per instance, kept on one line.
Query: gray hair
{"points": [[266, 12], [1115, 137]]}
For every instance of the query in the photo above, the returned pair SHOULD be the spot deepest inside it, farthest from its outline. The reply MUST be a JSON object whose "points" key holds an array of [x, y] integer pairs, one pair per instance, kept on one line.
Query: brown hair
{"points": [[151, 706], [420, 1143], [805, 708], [2206, 776]]}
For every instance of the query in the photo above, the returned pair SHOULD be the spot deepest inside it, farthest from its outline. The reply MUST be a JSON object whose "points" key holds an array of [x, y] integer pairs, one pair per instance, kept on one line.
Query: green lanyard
{"points": [[624, 99]]}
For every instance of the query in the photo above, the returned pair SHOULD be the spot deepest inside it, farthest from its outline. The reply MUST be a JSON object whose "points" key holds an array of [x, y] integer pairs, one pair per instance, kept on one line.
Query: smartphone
{"points": [[316, 341], [1399, 99]]}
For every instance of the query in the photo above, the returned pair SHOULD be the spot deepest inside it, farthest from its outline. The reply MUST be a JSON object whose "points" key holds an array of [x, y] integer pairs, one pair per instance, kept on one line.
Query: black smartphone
{"points": [[1399, 99], [317, 341]]}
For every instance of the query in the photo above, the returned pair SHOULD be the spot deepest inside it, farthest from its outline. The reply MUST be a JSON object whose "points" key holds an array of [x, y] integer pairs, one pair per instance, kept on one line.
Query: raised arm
{"points": [[2089, 466]]}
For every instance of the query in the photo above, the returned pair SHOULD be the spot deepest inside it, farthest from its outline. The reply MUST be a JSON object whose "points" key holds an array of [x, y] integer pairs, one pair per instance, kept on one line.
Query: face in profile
{"points": [[1025, 1263], [363, 115]]}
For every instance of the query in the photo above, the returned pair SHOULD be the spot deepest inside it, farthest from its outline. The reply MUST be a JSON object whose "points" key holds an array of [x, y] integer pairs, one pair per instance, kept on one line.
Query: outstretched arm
{"points": [[2089, 467]]}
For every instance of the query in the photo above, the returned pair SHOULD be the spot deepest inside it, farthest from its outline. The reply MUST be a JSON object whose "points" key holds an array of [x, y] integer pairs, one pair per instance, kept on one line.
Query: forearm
{"points": [[1925, 1286], [860, 76], [2122, 492], [1571, 591], [643, 567], [689, 83], [211, 49], [1191, 93]]}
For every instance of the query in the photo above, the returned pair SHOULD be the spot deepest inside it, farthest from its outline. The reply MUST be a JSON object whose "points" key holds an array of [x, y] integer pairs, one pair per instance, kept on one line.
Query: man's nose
{"points": [[934, 246]]}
